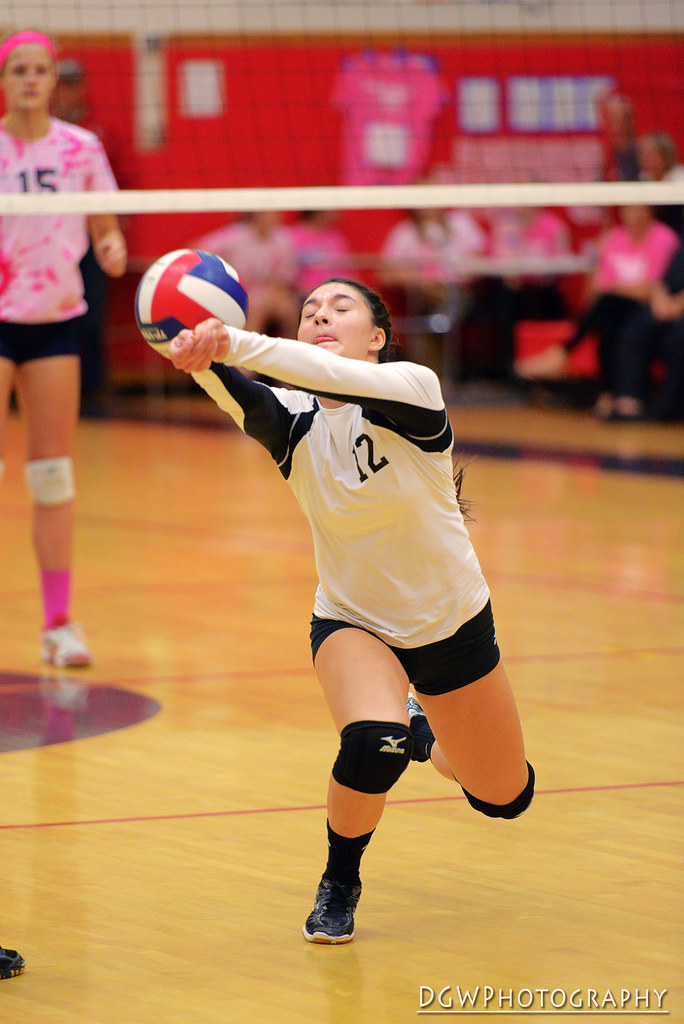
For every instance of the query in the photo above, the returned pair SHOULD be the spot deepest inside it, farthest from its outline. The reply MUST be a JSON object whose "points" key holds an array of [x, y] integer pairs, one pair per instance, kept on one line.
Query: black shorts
{"points": [[23, 342], [440, 667]]}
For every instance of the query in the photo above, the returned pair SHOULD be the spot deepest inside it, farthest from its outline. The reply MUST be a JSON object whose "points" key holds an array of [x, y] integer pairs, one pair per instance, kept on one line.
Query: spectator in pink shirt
{"points": [[423, 258], [656, 333], [632, 258], [41, 306], [526, 235]]}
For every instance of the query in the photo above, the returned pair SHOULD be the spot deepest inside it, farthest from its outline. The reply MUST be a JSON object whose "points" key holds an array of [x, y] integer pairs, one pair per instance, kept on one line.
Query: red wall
{"points": [[280, 129]]}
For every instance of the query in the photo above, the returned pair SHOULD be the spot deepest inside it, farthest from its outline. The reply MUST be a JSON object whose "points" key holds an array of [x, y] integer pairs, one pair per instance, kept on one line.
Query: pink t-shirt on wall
{"points": [[390, 101], [622, 261], [40, 280]]}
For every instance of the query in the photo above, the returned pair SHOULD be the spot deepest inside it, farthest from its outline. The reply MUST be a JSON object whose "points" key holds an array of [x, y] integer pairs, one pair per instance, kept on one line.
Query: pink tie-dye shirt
{"points": [[40, 280]]}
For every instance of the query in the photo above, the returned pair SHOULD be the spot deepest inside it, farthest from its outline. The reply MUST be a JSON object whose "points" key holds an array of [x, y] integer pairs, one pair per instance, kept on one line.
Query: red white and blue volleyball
{"points": [[184, 287]]}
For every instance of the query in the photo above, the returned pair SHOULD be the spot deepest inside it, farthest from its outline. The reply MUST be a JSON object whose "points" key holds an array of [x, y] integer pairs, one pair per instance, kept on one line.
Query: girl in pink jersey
{"points": [[41, 301]]}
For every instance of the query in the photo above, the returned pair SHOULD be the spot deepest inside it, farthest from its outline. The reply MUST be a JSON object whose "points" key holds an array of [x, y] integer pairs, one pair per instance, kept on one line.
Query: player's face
{"points": [[336, 317], [28, 78]]}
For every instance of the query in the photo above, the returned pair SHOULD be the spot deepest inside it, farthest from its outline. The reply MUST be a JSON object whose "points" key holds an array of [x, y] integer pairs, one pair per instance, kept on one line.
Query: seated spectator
{"points": [[258, 245], [468, 237], [654, 333], [659, 161], [632, 258], [427, 248], [321, 249], [422, 256], [532, 234]]}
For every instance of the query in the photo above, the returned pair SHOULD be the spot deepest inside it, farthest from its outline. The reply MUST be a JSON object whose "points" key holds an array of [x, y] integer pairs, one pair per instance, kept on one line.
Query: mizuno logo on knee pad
{"points": [[392, 745]]}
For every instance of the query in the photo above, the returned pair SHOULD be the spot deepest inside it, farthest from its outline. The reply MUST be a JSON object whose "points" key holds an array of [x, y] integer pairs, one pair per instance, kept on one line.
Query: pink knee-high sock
{"points": [[56, 589]]}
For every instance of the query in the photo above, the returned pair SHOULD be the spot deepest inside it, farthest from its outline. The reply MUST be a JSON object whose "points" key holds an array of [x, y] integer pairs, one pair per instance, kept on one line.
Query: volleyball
{"points": [[183, 288]]}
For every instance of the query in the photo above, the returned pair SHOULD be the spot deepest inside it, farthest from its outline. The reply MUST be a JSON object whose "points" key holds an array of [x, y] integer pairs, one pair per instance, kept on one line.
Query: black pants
{"points": [[607, 318], [528, 302], [645, 339], [93, 357]]}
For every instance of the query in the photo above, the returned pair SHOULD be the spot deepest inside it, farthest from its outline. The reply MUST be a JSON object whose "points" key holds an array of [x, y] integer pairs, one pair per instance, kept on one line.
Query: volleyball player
{"points": [[41, 303], [366, 447]]}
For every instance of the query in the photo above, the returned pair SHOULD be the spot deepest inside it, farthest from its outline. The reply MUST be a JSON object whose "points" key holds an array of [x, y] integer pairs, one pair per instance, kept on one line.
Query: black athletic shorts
{"points": [[440, 667], [23, 342]]}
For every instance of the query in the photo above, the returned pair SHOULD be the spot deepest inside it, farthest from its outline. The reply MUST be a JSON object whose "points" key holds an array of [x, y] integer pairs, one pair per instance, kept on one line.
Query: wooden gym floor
{"points": [[157, 867]]}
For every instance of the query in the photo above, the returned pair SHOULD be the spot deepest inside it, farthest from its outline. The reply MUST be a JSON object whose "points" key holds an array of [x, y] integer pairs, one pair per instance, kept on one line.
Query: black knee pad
{"points": [[512, 810], [372, 755]]}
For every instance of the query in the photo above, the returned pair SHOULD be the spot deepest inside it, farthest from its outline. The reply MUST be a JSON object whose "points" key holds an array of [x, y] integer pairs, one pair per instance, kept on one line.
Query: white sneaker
{"points": [[65, 647]]}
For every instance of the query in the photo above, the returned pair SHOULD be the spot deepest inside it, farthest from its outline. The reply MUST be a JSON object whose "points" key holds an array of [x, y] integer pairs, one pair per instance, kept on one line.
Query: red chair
{"points": [[533, 336]]}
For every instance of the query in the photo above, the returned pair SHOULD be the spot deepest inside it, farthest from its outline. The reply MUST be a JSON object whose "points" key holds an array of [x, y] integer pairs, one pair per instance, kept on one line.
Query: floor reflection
{"points": [[38, 710]]}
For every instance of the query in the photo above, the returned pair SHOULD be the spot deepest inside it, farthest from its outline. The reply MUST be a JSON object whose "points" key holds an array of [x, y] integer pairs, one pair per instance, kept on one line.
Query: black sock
{"points": [[344, 857]]}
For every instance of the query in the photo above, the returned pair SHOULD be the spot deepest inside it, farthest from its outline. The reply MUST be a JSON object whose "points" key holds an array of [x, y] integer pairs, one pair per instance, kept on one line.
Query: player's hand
{"points": [[195, 351], [665, 306], [110, 253]]}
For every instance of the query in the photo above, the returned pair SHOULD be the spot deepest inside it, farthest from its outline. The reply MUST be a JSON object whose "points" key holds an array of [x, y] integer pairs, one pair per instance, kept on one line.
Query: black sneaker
{"points": [[332, 918], [423, 736], [11, 964]]}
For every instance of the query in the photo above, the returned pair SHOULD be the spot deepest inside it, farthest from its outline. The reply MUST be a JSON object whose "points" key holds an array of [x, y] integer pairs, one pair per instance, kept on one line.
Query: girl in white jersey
{"points": [[41, 302], [366, 447]]}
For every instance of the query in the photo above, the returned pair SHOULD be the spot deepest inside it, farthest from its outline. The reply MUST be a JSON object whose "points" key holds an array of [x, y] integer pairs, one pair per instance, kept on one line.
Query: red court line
{"points": [[298, 670], [321, 807]]}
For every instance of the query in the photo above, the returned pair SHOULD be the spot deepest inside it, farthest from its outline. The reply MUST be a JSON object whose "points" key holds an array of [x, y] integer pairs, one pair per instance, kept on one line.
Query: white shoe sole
{"points": [[322, 939], [82, 660]]}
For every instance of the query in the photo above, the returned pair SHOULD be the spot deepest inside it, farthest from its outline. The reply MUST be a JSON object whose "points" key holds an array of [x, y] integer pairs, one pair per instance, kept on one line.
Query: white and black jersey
{"points": [[374, 478]]}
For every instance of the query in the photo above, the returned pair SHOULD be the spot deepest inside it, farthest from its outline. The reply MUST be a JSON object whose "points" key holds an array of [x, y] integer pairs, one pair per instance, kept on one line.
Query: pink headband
{"points": [[19, 38]]}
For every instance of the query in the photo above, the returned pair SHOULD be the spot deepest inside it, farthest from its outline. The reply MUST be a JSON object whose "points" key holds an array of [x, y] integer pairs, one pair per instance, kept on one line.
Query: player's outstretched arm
{"points": [[330, 375]]}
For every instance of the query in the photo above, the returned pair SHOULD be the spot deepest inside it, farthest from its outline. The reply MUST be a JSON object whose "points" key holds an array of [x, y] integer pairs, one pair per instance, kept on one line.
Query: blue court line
{"points": [[654, 465]]}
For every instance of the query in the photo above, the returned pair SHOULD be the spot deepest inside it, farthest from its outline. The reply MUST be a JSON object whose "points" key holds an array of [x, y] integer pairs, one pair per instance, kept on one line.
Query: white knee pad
{"points": [[51, 481]]}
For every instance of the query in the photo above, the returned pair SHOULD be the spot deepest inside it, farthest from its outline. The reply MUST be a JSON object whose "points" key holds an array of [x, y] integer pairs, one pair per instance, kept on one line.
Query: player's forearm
{"points": [[321, 372], [109, 244]]}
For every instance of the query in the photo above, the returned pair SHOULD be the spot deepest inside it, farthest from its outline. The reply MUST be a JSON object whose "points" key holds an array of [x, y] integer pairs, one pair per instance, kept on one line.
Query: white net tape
{"points": [[386, 197]]}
